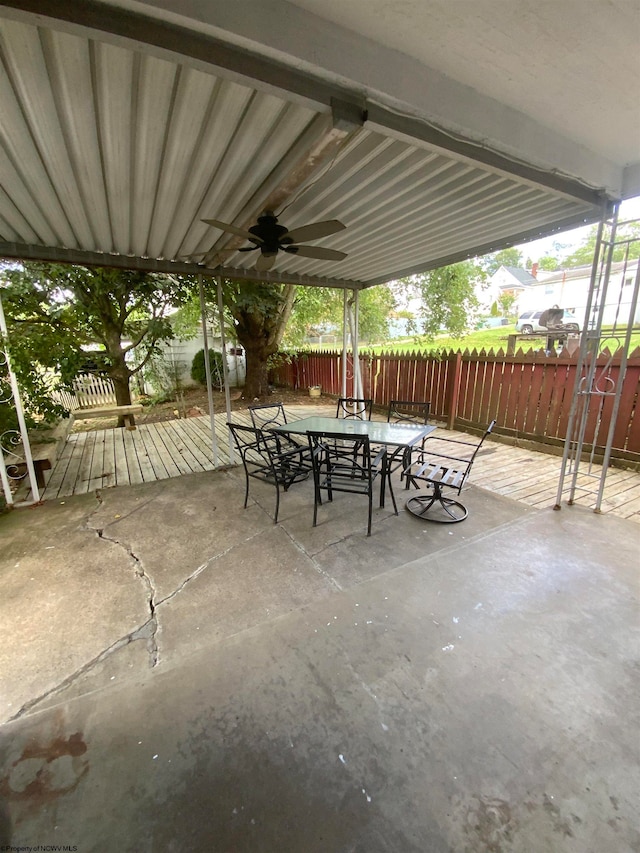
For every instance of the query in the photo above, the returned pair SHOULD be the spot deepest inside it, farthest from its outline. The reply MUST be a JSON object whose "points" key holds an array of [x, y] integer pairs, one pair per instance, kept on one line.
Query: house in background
{"points": [[570, 288], [178, 356], [506, 280]]}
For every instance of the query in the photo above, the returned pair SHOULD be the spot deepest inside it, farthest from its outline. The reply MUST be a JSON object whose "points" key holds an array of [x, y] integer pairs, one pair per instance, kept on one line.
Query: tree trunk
{"points": [[260, 324], [256, 383], [119, 375]]}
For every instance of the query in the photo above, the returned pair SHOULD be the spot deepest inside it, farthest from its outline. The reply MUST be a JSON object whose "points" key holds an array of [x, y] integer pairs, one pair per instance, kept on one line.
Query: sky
{"points": [[568, 241]]}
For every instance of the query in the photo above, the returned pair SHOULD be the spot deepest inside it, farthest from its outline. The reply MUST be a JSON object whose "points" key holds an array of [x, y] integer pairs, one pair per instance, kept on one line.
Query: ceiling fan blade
{"points": [[265, 262], [315, 252], [240, 232], [315, 230]]}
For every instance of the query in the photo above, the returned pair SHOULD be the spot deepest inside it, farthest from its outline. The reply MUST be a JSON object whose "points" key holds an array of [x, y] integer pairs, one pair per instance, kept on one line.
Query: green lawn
{"points": [[483, 339]]}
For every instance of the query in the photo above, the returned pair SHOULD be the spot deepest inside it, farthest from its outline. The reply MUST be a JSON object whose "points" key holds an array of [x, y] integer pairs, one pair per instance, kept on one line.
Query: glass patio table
{"points": [[397, 437]]}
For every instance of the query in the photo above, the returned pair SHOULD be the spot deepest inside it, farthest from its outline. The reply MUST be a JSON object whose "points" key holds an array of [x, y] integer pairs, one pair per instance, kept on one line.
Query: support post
{"points": [[21, 421], [355, 342], [207, 370], [345, 328], [454, 389], [227, 395]]}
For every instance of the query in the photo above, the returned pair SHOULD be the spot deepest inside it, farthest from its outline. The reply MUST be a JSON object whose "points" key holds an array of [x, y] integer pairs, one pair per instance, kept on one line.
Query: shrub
{"points": [[198, 373]]}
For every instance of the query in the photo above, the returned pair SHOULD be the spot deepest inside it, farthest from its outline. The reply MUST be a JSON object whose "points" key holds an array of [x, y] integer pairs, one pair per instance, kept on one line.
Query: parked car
{"points": [[529, 322]]}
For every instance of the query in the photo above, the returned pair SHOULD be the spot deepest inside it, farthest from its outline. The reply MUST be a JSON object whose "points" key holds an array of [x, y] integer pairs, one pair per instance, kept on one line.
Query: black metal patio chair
{"points": [[268, 415], [345, 464], [357, 409], [263, 459], [443, 463], [408, 412], [352, 407]]}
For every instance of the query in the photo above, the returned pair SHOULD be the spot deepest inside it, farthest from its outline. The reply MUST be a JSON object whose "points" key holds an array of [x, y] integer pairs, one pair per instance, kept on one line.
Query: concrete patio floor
{"points": [[180, 674]]}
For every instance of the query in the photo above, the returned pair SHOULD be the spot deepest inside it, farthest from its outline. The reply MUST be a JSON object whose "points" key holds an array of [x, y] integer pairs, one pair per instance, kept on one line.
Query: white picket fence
{"points": [[89, 391]]}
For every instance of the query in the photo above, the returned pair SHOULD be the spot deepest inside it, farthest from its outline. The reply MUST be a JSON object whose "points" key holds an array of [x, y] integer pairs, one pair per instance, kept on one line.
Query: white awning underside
{"points": [[113, 147]]}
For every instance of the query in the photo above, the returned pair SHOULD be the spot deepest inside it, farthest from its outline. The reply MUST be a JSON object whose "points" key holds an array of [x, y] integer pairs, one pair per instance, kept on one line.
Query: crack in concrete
{"points": [[149, 629], [329, 578], [201, 569], [152, 642], [138, 634]]}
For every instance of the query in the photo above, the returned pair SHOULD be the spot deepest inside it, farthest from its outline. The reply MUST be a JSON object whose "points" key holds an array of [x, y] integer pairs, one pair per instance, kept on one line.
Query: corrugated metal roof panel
{"points": [[111, 150]]}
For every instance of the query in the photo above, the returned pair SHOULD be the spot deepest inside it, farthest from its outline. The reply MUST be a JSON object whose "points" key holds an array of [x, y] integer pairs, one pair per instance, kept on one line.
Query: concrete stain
{"points": [[490, 820], [46, 771]]}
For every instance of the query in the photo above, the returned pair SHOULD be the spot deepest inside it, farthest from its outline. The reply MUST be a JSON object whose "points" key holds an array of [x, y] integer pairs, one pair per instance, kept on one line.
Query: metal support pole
{"points": [[573, 427], [227, 395], [207, 370], [598, 388], [345, 327], [28, 458], [353, 326], [6, 487], [618, 392]]}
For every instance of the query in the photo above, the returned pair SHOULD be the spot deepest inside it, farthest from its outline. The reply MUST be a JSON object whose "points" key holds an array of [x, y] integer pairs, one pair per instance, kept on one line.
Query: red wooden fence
{"points": [[529, 394]]}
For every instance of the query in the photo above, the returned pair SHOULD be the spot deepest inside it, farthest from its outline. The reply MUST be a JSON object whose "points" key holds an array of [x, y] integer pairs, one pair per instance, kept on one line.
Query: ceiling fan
{"points": [[270, 237]]}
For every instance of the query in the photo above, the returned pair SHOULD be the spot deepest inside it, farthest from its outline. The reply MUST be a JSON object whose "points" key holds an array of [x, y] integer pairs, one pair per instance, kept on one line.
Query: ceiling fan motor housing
{"points": [[272, 234]]}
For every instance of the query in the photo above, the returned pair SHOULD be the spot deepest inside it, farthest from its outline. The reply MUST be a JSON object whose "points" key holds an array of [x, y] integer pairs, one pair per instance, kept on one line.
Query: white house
{"points": [[569, 289], [514, 280], [180, 354]]}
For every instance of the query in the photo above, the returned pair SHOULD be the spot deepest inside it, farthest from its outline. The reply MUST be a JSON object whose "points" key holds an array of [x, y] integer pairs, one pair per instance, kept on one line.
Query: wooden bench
{"points": [[563, 338], [126, 412]]}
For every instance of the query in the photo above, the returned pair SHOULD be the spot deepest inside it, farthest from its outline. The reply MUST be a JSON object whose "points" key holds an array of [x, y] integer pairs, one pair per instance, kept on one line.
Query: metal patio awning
{"points": [[125, 124]]}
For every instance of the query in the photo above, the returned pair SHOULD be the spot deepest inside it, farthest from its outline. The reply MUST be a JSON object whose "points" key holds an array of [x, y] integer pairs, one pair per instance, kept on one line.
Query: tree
{"points": [[507, 301], [268, 316], [549, 263], [583, 255], [448, 297], [511, 257], [260, 312], [56, 312]]}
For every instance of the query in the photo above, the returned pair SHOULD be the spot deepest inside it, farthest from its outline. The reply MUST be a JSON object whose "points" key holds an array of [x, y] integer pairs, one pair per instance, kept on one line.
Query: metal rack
{"points": [[610, 316]]}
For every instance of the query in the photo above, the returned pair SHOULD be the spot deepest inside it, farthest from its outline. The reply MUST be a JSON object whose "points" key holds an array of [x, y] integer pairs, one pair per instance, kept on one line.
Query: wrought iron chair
{"points": [[352, 407], [268, 415], [444, 463], [345, 464], [263, 459], [408, 412]]}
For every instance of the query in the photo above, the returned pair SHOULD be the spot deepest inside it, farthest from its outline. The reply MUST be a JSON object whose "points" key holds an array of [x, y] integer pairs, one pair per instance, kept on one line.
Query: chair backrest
{"points": [[352, 407], [408, 411], [268, 415], [350, 454], [249, 442], [471, 459], [447, 461], [486, 433]]}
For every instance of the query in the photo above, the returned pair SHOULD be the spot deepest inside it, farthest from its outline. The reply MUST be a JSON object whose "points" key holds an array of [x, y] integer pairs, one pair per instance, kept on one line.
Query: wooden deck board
{"points": [[155, 459], [181, 446], [146, 468], [97, 462], [163, 464], [155, 451], [81, 485], [109, 471]]}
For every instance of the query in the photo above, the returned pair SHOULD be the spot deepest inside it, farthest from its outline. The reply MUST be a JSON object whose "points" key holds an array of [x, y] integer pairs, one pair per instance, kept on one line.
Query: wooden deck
{"points": [[114, 457]]}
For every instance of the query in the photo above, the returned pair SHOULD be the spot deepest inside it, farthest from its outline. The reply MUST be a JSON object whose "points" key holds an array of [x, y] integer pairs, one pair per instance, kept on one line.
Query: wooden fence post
{"points": [[453, 391]]}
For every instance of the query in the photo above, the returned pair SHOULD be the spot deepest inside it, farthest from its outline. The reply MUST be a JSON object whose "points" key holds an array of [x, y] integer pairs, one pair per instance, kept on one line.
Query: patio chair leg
{"points": [[421, 504], [275, 520]]}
